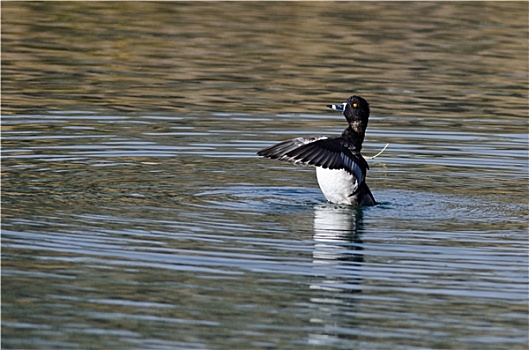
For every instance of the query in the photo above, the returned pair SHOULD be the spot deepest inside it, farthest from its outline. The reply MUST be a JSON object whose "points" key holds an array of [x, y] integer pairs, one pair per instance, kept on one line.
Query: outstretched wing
{"points": [[319, 151]]}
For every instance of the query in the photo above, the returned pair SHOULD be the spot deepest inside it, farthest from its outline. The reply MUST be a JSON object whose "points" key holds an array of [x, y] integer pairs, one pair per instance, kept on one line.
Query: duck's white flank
{"points": [[336, 185]]}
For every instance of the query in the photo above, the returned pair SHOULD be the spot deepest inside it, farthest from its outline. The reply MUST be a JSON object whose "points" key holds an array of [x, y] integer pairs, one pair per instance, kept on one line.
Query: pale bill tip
{"points": [[339, 108]]}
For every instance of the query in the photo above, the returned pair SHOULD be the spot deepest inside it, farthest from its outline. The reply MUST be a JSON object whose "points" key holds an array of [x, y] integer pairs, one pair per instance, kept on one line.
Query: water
{"points": [[136, 214]]}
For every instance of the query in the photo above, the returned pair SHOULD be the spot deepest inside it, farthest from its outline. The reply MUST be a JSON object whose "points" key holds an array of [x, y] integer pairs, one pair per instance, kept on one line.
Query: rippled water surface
{"points": [[136, 214]]}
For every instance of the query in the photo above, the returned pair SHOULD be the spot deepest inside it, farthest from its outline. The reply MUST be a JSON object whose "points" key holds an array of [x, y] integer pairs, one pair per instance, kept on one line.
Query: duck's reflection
{"points": [[337, 254], [337, 260]]}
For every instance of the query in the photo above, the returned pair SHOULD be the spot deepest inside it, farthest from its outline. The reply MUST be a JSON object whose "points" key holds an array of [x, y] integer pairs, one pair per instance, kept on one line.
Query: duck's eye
{"points": [[355, 105]]}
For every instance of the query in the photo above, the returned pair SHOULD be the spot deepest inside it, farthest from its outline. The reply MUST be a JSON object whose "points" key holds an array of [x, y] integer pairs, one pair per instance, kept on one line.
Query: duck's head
{"points": [[356, 111]]}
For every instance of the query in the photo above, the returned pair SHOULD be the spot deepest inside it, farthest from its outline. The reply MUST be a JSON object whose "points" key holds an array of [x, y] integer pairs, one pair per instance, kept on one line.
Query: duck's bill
{"points": [[338, 108]]}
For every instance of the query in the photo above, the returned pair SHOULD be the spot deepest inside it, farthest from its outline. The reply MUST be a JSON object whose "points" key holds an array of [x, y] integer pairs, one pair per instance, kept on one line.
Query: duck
{"points": [[340, 167]]}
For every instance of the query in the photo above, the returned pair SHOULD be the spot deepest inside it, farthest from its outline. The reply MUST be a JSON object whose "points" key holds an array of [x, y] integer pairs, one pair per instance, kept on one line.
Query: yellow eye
{"points": [[355, 105]]}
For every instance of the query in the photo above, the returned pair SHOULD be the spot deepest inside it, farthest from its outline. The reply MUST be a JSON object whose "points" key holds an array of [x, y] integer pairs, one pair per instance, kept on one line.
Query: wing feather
{"points": [[319, 151]]}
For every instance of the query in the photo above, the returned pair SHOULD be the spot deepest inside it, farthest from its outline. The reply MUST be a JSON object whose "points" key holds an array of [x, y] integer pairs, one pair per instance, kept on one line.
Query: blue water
{"points": [[136, 213]]}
